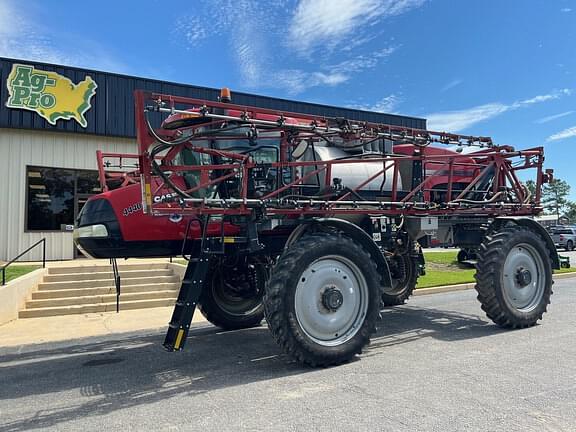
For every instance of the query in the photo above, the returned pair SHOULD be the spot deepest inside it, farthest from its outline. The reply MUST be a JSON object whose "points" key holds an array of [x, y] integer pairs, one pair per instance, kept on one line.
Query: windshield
{"points": [[264, 147]]}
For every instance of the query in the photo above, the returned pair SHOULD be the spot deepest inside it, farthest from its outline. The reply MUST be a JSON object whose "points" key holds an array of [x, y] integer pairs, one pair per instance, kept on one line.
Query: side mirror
{"points": [[300, 149]]}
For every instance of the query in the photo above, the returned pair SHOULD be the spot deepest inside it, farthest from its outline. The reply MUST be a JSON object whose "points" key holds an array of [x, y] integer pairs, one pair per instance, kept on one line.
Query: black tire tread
{"points": [[396, 299], [491, 254], [220, 318], [276, 304]]}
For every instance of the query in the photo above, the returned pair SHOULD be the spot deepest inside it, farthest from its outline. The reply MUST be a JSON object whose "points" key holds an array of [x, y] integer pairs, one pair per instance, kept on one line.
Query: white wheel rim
{"points": [[524, 295], [328, 281]]}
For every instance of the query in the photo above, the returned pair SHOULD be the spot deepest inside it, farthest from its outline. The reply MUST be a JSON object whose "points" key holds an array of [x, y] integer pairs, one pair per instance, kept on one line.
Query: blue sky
{"points": [[503, 68]]}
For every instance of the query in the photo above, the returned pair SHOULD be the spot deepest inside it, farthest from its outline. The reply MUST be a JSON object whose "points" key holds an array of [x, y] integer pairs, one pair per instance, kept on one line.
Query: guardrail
{"points": [[5, 266]]}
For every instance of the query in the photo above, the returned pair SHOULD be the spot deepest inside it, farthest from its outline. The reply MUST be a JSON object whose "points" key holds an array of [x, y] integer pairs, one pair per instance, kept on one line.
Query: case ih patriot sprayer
{"points": [[314, 222]]}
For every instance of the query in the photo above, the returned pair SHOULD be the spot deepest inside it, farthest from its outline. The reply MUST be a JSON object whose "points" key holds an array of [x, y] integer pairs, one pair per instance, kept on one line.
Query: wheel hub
{"points": [[332, 299], [523, 277]]}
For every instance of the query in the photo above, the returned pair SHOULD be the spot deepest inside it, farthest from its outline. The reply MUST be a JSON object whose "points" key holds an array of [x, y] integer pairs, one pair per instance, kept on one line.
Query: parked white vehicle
{"points": [[564, 237]]}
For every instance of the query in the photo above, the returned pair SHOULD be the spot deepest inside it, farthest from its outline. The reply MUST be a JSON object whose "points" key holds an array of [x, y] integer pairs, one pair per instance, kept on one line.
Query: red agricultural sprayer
{"points": [[313, 222]]}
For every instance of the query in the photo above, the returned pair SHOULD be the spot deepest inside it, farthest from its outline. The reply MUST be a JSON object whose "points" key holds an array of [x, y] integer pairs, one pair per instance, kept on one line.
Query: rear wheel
{"points": [[404, 273], [233, 298], [322, 299], [462, 255], [514, 277]]}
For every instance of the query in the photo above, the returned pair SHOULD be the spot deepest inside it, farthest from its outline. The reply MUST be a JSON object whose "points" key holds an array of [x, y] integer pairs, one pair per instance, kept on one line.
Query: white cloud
{"points": [[296, 81], [327, 22], [387, 104], [452, 84], [245, 24], [192, 29], [565, 10], [256, 36], [553, 117], [23, 39], [543, 98], [566, 133], [455, 121], [361, 62], [8, 22]]}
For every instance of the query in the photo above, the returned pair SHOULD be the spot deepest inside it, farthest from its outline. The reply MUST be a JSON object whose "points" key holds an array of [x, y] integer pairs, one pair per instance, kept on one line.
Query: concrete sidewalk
{"points": [[69, 327]]}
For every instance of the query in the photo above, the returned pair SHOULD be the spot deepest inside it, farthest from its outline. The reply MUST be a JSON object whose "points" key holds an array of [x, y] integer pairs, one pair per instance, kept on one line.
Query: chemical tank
{"points": [[352, 174]]}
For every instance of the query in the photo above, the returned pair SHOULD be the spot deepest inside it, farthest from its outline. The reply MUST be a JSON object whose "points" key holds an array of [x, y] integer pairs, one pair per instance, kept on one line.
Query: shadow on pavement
{"points": [[407, 324], [117, 374]]}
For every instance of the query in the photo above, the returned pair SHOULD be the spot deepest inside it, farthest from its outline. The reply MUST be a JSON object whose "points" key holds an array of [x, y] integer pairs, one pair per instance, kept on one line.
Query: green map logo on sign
{"points": [[49, 94]]}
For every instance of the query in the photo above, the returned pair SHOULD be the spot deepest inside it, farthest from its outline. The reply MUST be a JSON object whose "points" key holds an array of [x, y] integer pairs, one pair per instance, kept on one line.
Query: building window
{"points": [[55, 195]]}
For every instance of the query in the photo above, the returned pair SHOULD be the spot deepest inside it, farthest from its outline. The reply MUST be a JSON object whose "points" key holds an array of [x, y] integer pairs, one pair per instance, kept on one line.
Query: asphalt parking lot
{"points": [[436, 364]]}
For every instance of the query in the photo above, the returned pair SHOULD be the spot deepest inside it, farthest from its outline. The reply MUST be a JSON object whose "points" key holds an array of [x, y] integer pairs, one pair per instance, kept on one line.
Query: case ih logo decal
{"points": [[49, 94]]}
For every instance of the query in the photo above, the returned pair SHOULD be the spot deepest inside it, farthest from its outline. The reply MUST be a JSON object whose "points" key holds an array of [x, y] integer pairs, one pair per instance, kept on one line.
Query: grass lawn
{"points": [[442, 268], [15, 271]]}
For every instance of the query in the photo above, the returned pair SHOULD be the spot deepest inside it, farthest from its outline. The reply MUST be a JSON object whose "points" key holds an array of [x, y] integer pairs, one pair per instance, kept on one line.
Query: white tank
{"points": [[352, 174]]}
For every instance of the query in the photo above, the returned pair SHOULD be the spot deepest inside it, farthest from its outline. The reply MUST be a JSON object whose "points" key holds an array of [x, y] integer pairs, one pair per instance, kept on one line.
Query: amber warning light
{"points": [[225, 95]]}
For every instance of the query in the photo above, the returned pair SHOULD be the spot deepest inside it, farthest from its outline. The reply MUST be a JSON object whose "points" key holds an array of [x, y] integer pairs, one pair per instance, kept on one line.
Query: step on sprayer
{"points": [[314, 222]]}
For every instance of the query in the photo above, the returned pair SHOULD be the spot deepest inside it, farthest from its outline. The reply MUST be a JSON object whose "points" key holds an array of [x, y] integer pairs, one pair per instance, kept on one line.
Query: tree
{"points": [[555, 197], [531, 186], [570, 213]]}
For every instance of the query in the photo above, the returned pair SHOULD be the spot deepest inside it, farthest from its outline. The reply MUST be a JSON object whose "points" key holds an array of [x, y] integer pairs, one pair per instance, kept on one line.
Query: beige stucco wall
{"points": [[19, 148]]}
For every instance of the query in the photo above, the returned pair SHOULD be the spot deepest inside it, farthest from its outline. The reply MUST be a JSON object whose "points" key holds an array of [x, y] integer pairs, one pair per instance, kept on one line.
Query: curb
{"points": [[466, 286]]}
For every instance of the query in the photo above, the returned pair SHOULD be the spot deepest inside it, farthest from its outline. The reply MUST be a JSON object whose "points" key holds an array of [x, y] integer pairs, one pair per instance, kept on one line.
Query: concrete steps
{"points": [[79, 292], [99, 268], [90, 288], [106, 282], [93, 308], [105, 275]]}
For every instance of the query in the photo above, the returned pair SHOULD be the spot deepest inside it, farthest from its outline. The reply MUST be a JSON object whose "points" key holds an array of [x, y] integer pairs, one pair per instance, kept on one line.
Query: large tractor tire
{"points": [[322, 299], [233, 297], [404, 273], [514, 277]]}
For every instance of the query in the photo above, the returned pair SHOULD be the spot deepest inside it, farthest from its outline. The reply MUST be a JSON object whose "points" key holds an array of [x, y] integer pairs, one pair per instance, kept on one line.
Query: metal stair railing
{"points": [[117, 282], [5, 266]]}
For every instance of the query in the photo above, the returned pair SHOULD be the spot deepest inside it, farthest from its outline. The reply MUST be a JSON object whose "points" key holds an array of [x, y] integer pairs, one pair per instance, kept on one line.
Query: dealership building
{"points": [[54, 118]]}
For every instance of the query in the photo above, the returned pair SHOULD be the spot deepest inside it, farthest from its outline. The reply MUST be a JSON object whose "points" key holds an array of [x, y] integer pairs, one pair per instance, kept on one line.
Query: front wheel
{"points": [[322, 299], [514, 277], [569, 245]]}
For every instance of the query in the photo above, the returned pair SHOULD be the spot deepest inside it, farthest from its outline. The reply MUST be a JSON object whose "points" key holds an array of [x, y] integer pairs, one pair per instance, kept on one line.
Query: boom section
{"points": [[220, 159]]}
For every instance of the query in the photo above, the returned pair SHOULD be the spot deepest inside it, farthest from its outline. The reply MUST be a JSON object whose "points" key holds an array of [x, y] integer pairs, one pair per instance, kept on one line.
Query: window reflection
{"points": [[51, 196]]}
